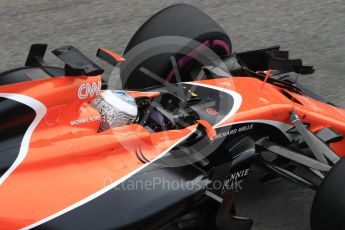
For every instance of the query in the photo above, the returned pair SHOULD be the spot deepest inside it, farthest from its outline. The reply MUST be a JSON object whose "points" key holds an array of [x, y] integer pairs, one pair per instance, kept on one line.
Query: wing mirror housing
{"points": [[109, 56], [208, 128]]}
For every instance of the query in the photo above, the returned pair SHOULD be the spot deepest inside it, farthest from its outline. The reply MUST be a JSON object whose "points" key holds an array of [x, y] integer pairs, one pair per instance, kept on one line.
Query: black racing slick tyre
{"points": [[328, 210], [179, 20]]}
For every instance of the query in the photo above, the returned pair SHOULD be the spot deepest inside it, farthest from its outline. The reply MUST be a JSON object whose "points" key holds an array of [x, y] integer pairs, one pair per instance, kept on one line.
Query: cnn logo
{"points": [[89, 89]]}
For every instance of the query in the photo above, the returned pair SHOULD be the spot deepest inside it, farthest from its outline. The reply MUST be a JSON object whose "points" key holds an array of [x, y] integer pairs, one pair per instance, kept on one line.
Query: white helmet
{"points": [[116, 107]]}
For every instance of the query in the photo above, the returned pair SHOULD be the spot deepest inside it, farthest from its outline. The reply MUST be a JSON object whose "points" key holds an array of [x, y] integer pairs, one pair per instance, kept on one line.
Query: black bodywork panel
{"points": [[15, 120], [125, 208], [25, 74]]}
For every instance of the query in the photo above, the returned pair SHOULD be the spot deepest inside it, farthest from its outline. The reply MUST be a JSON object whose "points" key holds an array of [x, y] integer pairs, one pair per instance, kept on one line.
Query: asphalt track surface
{"points": [[310, 29]]}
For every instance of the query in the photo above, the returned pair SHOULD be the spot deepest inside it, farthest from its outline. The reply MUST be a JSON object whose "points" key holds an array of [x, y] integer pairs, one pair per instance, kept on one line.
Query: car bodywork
{"points": [[58, 166], [59, 171]]}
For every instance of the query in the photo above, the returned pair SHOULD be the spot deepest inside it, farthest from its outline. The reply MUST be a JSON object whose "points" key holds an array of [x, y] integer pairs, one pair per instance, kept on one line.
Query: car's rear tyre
{"points": [[180, 20], [328, 210]]}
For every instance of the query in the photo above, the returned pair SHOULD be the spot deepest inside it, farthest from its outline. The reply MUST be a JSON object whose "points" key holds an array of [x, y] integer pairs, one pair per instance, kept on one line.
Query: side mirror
{"points": [[208, 128], [109, 56]]}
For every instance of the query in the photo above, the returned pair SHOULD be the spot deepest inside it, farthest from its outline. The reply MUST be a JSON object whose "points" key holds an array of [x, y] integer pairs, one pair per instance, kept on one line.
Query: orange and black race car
{"points": [[166, 141]]}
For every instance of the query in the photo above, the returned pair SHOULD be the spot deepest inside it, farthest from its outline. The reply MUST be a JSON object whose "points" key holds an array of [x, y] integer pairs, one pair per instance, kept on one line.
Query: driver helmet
{"points": [[116, 107]]}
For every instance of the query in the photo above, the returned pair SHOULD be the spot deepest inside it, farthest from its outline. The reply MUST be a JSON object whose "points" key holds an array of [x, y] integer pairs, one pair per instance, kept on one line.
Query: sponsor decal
{"points": [[89, 89], [235, 131], [211, 111], [234, 180], [86, 120]]}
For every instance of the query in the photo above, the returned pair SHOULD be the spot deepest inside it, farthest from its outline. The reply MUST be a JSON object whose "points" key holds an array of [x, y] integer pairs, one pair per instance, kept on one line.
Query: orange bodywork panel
{"points": [[68, 159]]}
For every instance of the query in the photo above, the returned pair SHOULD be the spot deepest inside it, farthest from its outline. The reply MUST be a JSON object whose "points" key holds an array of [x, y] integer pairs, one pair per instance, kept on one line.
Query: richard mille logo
{"points": [[235, 131]]}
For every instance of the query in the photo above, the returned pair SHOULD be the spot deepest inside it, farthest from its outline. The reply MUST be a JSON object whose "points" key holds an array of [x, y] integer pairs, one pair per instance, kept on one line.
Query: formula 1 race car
{"points": [[170, 147]]}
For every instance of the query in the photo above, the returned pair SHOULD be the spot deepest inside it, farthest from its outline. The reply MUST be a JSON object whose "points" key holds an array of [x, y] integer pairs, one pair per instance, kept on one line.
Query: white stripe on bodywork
{"points": [[40, 111], [105, 189], [237, 103]]}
